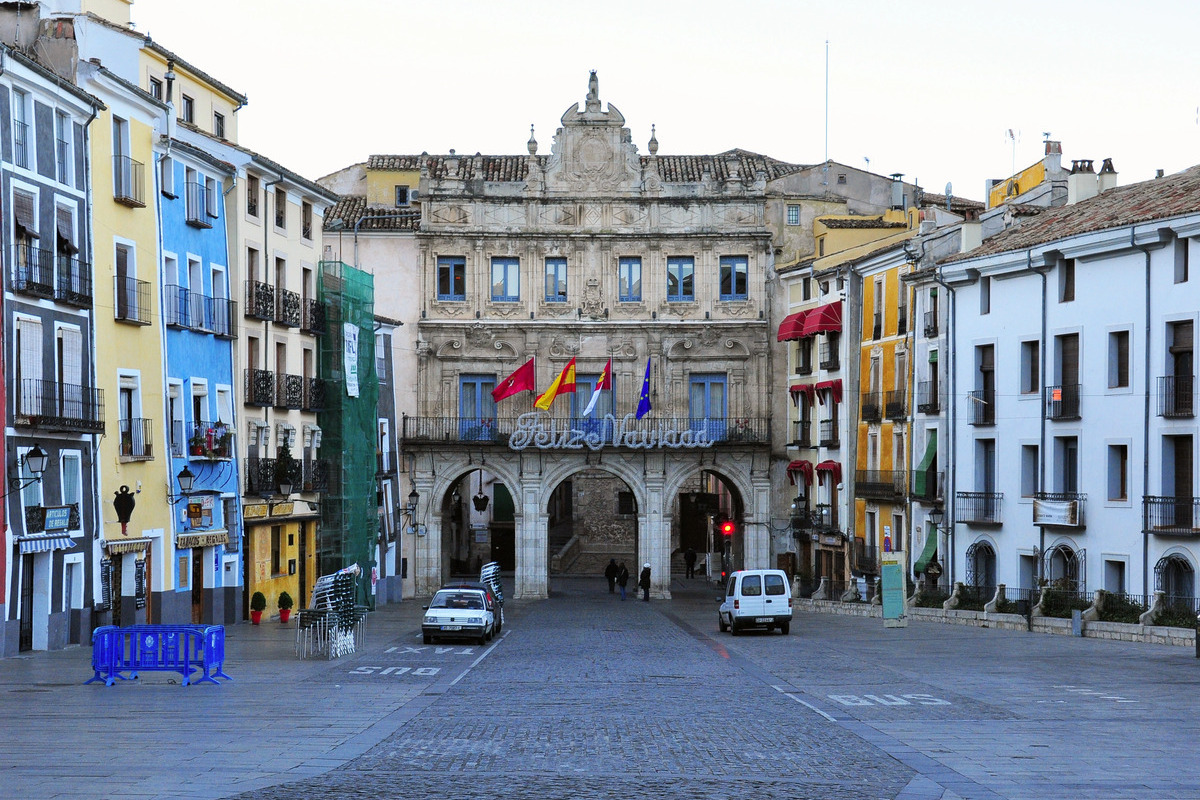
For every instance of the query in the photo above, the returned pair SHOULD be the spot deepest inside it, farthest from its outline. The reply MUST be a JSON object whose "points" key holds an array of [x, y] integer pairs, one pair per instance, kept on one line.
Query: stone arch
{"points": [[619, 468], [1175, 574], [680, 473]]}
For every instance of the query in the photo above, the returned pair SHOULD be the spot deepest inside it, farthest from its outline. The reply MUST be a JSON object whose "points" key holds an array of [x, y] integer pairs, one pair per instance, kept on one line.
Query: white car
{"points": [[756, 598], [459, 614]]}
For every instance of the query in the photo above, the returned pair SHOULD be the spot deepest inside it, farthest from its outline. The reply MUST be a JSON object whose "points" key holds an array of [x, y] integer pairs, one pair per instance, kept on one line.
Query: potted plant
{"points": [[196, 444], [285, 467], [285, 606], [258, 604]]}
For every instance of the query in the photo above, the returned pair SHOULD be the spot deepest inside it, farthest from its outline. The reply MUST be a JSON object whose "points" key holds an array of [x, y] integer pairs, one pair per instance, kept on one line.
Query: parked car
{"points": [[460, 613], [756, 598], [495, 602]]}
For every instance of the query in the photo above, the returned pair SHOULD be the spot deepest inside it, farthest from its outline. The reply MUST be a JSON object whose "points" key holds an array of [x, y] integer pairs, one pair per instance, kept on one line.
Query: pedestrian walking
{"points": [[689, 558], [610, 574], [622, 578], [644, 581]]}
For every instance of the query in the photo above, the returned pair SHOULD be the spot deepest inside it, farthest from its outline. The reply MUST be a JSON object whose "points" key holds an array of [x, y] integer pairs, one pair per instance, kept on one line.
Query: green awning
{"points": [[927, 552], [929, 460]]}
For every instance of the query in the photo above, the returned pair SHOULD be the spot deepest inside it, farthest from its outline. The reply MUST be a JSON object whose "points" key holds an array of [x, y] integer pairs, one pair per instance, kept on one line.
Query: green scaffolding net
{"points": [[349, 509]]}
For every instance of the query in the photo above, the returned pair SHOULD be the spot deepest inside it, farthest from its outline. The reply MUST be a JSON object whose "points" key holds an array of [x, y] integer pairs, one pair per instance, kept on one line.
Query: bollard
{"points": [[1198, 637], [1076, 622]]}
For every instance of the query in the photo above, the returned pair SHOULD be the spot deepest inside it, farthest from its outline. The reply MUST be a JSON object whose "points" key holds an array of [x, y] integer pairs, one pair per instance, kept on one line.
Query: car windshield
{"points": [[456, 600]]}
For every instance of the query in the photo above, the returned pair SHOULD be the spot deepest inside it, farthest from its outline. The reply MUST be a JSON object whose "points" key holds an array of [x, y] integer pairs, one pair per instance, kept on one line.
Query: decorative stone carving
{"points": [[449, 215], [561, 347], [593, 300], [479, 335]]}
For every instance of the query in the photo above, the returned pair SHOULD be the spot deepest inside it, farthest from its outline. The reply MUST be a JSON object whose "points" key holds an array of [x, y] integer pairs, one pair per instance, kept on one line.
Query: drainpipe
{"points": [[1145, 415], [948, 521], [1043, 271]]}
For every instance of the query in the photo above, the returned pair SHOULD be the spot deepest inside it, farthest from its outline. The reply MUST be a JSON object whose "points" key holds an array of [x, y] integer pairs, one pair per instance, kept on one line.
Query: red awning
{"points": [[834, 388], [804, 468], [823, 319], [791, 327], [806, 389], [833, 468]]}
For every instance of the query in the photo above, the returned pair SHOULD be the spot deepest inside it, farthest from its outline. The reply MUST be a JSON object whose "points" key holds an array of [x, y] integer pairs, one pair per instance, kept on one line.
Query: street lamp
{"points": [[186, 482], [35, 460], [410, 509], [936, 516]]}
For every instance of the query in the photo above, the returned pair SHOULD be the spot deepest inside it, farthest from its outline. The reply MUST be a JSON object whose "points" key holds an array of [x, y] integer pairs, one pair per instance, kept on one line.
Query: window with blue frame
{"points": [[556, 280], [452, 278], [506, 279], [476, 408], [681, 284], [706, 404], [585, 387], [733, 277], [630, 279]]}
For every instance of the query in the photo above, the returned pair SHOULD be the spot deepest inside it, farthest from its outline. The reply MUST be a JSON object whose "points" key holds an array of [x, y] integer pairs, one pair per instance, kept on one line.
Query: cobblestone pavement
{"points": [[588, 697]]}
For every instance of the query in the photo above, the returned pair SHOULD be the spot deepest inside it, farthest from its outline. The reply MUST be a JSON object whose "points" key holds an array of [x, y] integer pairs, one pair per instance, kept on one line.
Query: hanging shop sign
{"points": [[535, 429]]}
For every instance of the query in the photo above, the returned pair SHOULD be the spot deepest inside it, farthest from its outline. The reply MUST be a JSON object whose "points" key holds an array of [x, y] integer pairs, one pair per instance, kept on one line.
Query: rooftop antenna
{"points": [[1014, 138], [826, 100]]}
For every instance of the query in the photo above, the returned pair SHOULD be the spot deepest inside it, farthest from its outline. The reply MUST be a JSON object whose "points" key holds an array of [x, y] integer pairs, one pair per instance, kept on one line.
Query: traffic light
{"points": [[727, 529]]}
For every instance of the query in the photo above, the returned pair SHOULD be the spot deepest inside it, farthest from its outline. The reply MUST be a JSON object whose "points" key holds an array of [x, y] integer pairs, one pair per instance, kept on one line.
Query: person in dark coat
{"points": [[644, 581], [623, 578], [610, 574], [689, 558]]}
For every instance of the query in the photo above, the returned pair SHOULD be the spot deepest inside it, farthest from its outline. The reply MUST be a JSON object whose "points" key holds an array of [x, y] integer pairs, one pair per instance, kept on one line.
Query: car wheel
{"points": [[428, 639], [784, 627], [721, 623], [482, 640], [733, 627]]}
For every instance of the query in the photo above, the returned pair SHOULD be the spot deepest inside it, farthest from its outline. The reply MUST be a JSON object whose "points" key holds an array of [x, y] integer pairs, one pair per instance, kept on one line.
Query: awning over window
{"points": [[806, 389], [921, 479], [44, 544], [834, 387], [116, 546], [824, 319], [791, 327], [833, 468], [804, 468], [23, 212], [927, 552]]}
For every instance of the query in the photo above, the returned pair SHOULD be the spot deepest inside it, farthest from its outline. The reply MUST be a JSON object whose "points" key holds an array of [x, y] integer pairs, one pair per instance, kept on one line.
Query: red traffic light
{"points": [[727, 528]]}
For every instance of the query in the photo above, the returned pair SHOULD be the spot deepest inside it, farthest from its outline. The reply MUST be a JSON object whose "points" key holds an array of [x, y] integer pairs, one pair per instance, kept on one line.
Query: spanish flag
{"points": [[565, 382]]}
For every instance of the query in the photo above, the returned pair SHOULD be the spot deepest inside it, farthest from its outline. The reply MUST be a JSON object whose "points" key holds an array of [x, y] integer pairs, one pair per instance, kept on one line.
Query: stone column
{"points": [[531, 581], [654, 539]]}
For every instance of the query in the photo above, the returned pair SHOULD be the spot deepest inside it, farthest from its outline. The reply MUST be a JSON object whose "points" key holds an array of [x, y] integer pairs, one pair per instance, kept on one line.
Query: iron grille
{"points": [[224, 318], [980, 508], [927, 397], [33, 270], [803, 435], [260, 300], [880, 483], [313, 319], [827, 433], [74, 286], [291, 391], [314, 395], [260, 387], [982, 404], [49, 404], [129, 182], [872, 407], [1171, 516], [287, 308], [133, 300], [137, 439], [1176, 396], [1062, 402], [829, 359], [897, 404]]}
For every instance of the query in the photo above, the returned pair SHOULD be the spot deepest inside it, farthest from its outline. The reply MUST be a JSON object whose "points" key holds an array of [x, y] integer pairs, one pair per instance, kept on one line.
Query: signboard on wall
{"points": [[58, 518], [895, 591], [350, 357]]}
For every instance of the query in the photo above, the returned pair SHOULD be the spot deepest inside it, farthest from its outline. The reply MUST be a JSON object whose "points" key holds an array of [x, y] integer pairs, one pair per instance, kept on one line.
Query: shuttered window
{"points": [[29, 342], [23, 214], [1069, 359], [71, 356]]}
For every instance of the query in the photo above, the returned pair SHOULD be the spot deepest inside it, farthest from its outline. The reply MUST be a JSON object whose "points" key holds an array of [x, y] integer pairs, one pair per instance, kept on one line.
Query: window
{"points": [[62, 146], [506, 279], [626, 504], [806, 289], [985, 295], [476, 408], [401, 196], [1181, 260], [211, 197], [1029, 470], [1066, 464], [31, 494], [1030, 367], [841, 178], [281, 209], [380, 356], [1118, 359], [252, 194], [630, 279], [452, 280], [188, 109], [72, 480], [733, 277], [306, 220], [156, 89], [22, 141], [166, 176], [706, 404], [1066, 280], [1114, 576], [556, 280], [877, 324], [276, 549], [793, 215], [126, 282], [681, 279], [821, 246], [1118, 472], [218, 125]]}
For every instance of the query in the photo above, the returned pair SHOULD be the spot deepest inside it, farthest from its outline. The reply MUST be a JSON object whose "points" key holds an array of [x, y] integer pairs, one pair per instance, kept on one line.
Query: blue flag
{"points": [[644, 400]]}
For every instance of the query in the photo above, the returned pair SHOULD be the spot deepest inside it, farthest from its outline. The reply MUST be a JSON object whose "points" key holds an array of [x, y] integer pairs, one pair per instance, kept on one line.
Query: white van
{"points": [[756, 598]]}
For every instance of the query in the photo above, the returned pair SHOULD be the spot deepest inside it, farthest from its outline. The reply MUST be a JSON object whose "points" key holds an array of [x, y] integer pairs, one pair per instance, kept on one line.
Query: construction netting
{"points": [[349, 422]]}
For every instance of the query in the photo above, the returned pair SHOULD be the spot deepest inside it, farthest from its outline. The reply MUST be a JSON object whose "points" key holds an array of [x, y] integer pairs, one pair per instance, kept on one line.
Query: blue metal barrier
{"points": [[158, 648]]}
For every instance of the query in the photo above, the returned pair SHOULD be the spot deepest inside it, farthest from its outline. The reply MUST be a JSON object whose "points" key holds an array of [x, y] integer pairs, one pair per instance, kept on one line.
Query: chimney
{"points": [[1053, 148], [1108, 176], [1081, 183], [972, 235], [1052, 161], [897, 191]]}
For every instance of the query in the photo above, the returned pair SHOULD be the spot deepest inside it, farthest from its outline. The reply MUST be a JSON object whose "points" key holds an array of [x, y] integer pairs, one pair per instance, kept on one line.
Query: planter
{"points": [[285, 614], [256, 617]]}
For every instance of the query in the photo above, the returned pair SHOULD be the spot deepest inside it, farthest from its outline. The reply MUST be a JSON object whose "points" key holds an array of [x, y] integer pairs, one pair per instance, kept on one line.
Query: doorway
{"points": [[26, 628], [197, 585]]}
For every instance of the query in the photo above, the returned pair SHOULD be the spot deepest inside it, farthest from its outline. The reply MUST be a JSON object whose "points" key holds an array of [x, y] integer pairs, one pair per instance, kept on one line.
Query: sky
{"points": [[928, 89]]}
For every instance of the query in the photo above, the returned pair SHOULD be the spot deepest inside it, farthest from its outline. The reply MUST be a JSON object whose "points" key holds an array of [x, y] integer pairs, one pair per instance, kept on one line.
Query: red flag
{"points": [[523, 380]]}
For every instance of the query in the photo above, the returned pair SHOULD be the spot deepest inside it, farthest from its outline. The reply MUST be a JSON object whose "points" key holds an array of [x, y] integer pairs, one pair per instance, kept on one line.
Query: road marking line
{"points": [[809, 706], [482, 656]]}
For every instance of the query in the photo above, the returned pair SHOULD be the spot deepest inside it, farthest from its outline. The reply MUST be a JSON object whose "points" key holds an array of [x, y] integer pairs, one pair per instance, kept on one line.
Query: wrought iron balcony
{"points": [[314, 395], [313, 318], [60, 406], [196, 205], [129, 182], [384, 465], [1171, 516], [981, 407], [33, 270], [931, 324], [21, 144], [882, 484], [872, 406], [210, 440], [824, 518], [929, 486], [133, 300], [287, 308], [897, 404], [176, 306], [316, 475], [829, 359], [877, 327], [864, 557], [137, 439], [260, 476], [289, 390], [260, 387], [979, 508], [260, 300], [1063, 509], [928, 401], [74, 285], [827, 433], [1177, 396], [1062, 402], [803, 433], [483, 430]]}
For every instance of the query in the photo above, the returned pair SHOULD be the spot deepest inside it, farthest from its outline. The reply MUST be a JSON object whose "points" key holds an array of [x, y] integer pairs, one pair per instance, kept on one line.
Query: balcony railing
{"points": [[129, 182], [211, 440], [897, 404], [287, 308], [316, 475], [21, 143], [932, 488], [498, 430], [197, 205], [931, 324], [928, 401], [877, 327], [872, 406], [60, 406], [312, 320], [133, 300], [1062, 402], [384, 465], [1177, 396], [223, 319], [802, 436], [827, 433], [260, 387], [260, 476], [865, 557], [882, 484], [314, 395], [828, 359], [979, 508], [178, 443], [33, 270], [981, 407], [1171, 516], [902, 323], [137, 439], [824, 518], [289, 390], [74, 286], [1063, 509], [260, 300]]}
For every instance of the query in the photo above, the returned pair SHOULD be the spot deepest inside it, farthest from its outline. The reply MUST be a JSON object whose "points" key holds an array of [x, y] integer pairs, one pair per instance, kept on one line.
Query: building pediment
{"points": [[593, 151]]}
